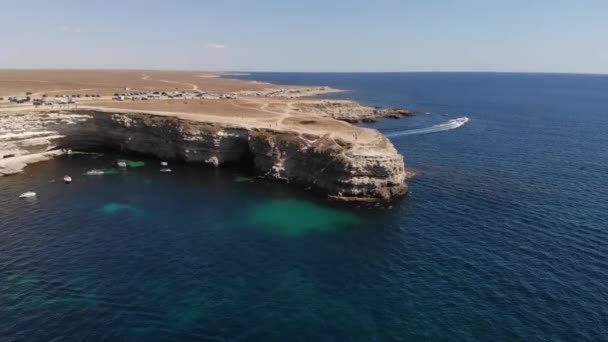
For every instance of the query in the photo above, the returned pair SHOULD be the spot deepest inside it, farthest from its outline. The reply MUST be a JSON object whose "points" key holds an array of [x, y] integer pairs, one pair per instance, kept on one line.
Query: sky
{"points": [[309, 36]]}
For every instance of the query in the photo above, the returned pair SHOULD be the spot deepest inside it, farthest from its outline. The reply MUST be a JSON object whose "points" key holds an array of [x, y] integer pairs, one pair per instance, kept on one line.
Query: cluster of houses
{"points": [[177, 94], [205, 95], [49, 101], [57, 100], [158, 95], [27, 99]]}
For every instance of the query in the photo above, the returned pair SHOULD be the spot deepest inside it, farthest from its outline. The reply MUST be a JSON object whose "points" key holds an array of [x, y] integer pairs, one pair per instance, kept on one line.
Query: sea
{"points": [[503, 236]]}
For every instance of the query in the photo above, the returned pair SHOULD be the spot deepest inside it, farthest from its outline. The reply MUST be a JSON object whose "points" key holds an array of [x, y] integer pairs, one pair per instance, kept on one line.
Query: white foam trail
{"points": [[446, 126]]}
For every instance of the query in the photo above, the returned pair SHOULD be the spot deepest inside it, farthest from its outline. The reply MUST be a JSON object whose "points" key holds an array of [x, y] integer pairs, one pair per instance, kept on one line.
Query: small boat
{"points": [[28, 194], [164, 163], [445, 114], [67, 179], [121, 163], [427, 113], [94, 173], [165, 170]]}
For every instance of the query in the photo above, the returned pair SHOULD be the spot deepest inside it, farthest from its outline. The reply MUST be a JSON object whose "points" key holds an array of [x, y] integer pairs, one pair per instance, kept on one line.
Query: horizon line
{"points": [[312, 72]]}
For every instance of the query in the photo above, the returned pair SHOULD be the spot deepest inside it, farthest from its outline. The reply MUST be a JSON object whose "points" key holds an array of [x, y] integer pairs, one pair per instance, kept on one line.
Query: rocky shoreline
{"points": [[338, 168], [350, 111], [290, 93]]}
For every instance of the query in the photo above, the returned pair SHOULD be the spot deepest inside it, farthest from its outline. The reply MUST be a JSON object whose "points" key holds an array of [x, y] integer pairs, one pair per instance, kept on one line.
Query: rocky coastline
{"points": [[350, 111], [336, 167]]}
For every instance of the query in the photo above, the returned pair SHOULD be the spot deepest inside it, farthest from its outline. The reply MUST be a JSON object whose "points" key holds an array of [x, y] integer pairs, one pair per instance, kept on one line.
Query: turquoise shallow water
{"points": [[294, 217], [502, 237]]}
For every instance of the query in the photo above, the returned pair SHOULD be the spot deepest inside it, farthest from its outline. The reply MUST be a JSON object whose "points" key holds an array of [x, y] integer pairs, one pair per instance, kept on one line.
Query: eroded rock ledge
{"points": [[350, 111], [333, 166]]}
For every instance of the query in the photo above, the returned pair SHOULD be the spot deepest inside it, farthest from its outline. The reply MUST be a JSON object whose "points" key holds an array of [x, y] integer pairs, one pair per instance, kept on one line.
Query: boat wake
{"points": [[446, 126]]}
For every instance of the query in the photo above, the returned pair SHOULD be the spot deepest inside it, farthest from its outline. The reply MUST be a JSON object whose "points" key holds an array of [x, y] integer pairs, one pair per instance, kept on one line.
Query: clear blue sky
{"points": [[312, 35]]}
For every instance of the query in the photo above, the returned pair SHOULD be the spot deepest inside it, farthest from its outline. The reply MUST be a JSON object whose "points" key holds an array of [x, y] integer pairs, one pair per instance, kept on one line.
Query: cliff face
{"points": [[161, 136], [332, 166], [329, 165]]}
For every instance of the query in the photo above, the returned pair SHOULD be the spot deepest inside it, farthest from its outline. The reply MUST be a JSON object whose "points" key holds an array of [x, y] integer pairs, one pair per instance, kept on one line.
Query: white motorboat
{"points": [[164, 163], [165, 170], [28, 194], [121, 163], [67, 179], [94, 173]]}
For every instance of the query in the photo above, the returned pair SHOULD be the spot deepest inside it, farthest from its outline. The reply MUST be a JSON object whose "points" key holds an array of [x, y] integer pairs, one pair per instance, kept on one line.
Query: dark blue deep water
{"points": [[503, 237]]}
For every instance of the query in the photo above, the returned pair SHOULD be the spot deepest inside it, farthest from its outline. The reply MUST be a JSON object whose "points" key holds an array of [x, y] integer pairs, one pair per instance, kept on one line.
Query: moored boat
{"points": [[165, 170], [28, 194], [67, 179], [94, 173], [121, 163]]}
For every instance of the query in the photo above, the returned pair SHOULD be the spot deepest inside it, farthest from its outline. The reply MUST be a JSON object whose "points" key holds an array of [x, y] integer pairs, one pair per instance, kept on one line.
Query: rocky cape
{"points": [[336, 167], [350, 111]]}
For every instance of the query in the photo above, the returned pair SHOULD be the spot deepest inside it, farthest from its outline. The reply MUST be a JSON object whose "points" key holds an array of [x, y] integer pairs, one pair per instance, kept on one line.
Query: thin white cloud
{"points": [[67, 28], [214, 46]]}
